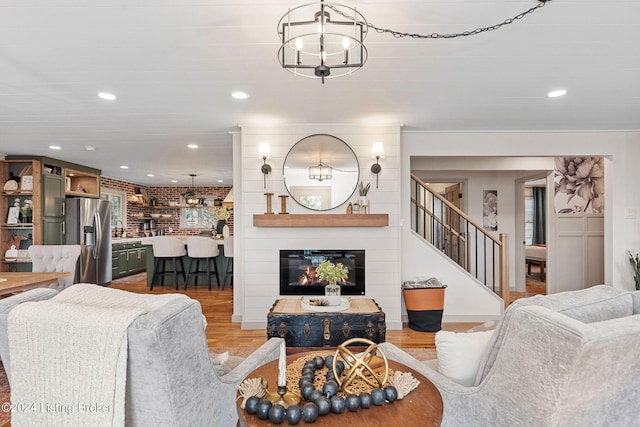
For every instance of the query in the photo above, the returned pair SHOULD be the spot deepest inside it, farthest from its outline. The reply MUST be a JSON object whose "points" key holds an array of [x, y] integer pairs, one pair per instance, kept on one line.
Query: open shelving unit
{"points": [[13, 232]]}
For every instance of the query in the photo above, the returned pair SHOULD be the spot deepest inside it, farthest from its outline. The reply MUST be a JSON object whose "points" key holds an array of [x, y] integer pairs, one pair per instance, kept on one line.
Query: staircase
{"points": [[457, 236]]}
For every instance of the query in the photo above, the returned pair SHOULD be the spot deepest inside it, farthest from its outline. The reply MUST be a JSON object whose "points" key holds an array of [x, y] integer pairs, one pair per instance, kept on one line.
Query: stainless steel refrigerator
{"points": [[88, 223]]}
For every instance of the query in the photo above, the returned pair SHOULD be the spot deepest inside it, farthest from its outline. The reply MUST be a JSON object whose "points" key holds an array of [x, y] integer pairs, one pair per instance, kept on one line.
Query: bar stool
{"points": [[228, 254], [203, 249], [167, 249]]}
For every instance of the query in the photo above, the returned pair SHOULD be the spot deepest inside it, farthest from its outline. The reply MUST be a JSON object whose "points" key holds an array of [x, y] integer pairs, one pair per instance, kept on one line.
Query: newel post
{"points": [[504, 268]]}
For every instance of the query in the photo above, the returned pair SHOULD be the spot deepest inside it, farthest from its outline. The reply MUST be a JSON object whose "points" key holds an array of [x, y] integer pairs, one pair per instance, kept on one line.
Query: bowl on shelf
{"points": [[166, 215], [155, 215]]}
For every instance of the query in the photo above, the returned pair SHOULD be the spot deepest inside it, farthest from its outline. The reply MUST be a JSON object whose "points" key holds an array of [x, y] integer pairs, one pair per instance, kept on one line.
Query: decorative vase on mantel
{"points": [[332, 293], [363, 201]]}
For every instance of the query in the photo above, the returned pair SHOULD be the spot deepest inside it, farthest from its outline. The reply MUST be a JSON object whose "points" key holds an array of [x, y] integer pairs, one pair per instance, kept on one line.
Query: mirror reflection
{"points": [[321, 172]]}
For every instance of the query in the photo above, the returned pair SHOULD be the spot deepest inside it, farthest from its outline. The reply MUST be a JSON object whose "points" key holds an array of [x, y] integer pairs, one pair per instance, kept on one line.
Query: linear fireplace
{"points": [[298, 271]]}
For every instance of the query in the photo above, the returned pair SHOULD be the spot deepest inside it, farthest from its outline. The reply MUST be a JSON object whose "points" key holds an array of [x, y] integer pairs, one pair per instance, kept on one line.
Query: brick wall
{"points": [[165, 195]]}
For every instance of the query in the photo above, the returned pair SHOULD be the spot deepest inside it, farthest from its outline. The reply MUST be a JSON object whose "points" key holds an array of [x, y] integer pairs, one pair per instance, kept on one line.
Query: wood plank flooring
{"points": [[217, 306]]}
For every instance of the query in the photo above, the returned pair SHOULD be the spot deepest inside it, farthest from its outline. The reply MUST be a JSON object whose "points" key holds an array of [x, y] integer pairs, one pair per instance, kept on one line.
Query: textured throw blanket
{"points": [[69, 355]]}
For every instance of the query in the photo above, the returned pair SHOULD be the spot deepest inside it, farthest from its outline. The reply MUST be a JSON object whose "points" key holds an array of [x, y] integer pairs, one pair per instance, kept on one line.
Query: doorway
{"points": [[532, 231]]}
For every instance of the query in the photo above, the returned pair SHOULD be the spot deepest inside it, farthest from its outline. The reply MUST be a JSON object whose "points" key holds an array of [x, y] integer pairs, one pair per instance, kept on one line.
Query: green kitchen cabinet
{"points": [[52, 195]]}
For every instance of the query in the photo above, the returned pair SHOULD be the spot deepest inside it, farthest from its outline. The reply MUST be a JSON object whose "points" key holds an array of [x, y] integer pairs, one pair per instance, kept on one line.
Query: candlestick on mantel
{"points": [[282, 366], [283, 204], [269, 211]]}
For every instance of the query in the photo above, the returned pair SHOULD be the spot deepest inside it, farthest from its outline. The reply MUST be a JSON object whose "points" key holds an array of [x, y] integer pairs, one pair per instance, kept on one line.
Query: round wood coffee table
{"points": [[422, 407]]}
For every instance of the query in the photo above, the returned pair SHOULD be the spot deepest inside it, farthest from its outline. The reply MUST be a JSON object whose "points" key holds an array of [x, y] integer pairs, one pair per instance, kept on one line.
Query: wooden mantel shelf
{"points": [[321, 220]]}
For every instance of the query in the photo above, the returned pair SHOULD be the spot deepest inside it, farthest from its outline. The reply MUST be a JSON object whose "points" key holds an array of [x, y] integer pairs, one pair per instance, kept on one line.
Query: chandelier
{"points": [[320, 172], [326, 40], [190, 197], [317, 45]]}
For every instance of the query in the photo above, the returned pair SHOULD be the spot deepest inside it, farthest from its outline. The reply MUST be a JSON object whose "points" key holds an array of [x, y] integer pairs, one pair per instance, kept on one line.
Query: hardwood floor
{"points": [[221, 332], [217, 307], [534, 286]]}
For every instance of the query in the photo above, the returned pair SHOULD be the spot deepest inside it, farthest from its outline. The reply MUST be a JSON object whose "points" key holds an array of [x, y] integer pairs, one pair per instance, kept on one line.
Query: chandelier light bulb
{"points": [[346, 43], [299, 44]]}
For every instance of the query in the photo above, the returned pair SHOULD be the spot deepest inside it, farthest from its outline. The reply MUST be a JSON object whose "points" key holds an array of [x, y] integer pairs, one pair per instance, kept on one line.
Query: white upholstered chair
{"points": [[167, 249], [202, 249], [171, 380], [55, 258]]}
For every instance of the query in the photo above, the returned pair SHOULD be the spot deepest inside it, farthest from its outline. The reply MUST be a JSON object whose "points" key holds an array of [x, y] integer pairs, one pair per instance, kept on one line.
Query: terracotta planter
{"points": [[424, 308]]}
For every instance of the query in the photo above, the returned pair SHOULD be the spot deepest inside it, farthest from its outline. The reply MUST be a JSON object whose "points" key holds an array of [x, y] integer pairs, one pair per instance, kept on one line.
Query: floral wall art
{"points": [[579, 185], [490, 210]]}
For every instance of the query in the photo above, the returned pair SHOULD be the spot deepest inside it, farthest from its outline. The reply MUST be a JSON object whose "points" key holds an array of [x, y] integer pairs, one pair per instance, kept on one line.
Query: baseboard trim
{"points": [[236, 318], [394, 326], [462, 318], [253, 325]]}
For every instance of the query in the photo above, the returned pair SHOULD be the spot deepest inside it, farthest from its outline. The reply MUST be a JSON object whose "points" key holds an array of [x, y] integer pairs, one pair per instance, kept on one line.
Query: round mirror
{"points": [[321, 172]]}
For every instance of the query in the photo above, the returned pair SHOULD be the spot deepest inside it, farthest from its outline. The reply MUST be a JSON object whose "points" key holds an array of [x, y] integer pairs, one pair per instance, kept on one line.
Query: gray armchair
{"points": [[568, 359], [170, 378]]}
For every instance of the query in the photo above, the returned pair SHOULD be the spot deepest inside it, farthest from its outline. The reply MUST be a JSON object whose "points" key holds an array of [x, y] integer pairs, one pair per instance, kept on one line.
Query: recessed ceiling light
{"points": [[150, 174], [90, 148], [192, 145], [220, 180], [557, 93], [124, 167], [174, 180], [240, 95], [107, 96], [55, 147]]}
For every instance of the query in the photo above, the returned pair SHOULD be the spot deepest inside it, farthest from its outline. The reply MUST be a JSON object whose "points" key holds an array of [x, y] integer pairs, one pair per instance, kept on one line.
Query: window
{"points": [[200, 217], [528, 215], [118, 201]]}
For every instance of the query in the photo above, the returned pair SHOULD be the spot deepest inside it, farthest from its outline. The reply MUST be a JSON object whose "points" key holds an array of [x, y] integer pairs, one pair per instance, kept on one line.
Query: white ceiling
{"points": [[174, 63]]}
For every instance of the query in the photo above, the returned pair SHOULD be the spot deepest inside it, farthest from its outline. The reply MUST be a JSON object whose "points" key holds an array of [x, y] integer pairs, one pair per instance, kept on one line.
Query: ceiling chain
{"points": [[399, 34]]}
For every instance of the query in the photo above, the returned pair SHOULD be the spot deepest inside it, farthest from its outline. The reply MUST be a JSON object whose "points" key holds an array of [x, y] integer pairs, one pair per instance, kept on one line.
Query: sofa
{"points": [[170, 378], [567, 359]]}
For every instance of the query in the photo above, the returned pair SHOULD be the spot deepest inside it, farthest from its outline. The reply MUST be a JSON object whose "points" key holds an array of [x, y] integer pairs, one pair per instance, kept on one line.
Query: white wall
{"points": [[621, 175], [256, 279], [392, 251], [464, 299], [476, 181]]}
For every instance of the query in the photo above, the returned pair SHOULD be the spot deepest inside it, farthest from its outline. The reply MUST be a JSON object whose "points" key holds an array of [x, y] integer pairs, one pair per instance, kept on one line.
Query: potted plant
{"points": [[221, 215], [635, 262], [332, 273], [363, 200], [27, 211]]}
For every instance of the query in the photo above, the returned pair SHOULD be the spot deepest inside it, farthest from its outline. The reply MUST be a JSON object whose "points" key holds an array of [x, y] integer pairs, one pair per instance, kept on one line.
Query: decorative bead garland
{"points": [[319, 402]]}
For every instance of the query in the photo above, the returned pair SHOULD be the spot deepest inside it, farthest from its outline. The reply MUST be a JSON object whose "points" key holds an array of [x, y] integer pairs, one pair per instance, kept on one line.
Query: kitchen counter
{"points": [[147, 240], [221, 261], [143, 240]]}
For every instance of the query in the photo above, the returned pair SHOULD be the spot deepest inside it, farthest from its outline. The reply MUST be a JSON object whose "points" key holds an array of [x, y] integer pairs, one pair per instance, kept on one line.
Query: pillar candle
{"points": [[282, 366]]}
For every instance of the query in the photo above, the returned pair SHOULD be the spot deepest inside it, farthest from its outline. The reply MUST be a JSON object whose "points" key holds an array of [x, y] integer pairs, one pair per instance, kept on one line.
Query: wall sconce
{"points": [[378, 152], [264, 150]]}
